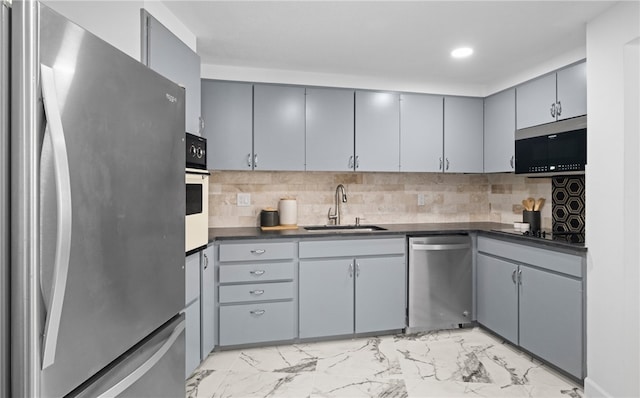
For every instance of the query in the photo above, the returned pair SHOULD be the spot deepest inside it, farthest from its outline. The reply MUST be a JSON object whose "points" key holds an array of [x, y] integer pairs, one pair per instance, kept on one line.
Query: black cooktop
{"points": [[561, 236]]}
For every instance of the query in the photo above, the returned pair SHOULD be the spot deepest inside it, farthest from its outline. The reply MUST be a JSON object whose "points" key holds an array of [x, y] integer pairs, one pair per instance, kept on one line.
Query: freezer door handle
{"points": [[449, 246], [55, 133], [137, 374]]}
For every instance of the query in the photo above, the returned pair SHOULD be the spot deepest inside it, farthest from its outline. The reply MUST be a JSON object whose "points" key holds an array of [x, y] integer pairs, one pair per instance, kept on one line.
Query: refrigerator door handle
{"points": [[55, 133], [137, 374]]}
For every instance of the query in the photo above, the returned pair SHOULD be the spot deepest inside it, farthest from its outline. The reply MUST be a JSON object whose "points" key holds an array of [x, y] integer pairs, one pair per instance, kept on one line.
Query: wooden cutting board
{"points": [[279, 228]]}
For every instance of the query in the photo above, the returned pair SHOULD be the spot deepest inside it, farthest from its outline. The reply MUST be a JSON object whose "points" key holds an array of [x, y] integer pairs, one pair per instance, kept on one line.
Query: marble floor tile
{"points": [[461, 362]]}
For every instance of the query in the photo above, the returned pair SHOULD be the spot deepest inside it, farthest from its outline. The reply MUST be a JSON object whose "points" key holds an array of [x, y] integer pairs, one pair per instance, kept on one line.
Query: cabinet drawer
{"points": [[253, 323], [256, 272], [256, 251], [256, 292], [548, 259], [352, 247]]}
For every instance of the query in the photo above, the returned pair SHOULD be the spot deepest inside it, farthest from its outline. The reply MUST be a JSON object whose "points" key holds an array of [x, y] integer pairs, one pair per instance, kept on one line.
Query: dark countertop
{"points": [[485, 228]]}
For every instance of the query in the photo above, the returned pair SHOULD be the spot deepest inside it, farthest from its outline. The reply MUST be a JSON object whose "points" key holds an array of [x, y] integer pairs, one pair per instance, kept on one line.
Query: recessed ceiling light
{"points": [[462, 52]]}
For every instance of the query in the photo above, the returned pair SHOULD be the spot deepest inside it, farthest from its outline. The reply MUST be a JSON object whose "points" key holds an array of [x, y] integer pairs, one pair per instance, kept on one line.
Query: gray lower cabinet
{"points": [[463, 135], [278, 127], [207, 302], [421, 133], [329, 129], [192, 313], [227, 110], [257, 292], [377, 118], [534, 298], [499, 132], [351, 286]]}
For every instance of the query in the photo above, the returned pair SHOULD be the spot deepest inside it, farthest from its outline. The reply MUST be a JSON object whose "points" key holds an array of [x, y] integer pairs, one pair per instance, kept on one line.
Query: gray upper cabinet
{"points": [[556, 96], [377, 131], [572, 91], [329, 129], [421, 133], [279, 124], [227, 109], [165, 53], [463, 135], [499, 132]]}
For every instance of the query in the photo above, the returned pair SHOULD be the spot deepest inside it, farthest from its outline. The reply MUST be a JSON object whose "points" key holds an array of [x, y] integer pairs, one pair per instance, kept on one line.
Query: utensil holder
{"points": [[533, 219]]}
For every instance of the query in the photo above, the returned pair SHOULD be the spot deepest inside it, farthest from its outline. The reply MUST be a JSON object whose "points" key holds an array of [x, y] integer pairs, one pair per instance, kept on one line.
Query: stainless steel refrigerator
{"points": [[97, 216]]}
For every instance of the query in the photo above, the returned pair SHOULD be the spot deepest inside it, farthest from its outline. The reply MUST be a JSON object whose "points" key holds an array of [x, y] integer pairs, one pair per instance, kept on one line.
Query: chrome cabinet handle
{"points": [[553, 110], [351, 270], [257, 272], [357, 162], [357, 269], [351, 162], [559, 109], [519, 277], [513, 276], [258, 251], [255, 160], [54, 130], [447, 163], [511, 160], [206, 261], [257, 312], [440, 168], [200, 124], [249, 160], [256, 292]]}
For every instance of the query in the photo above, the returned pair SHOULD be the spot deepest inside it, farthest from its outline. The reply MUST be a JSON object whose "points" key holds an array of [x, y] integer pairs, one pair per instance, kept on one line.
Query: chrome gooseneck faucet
{"points": [[336, 216]]}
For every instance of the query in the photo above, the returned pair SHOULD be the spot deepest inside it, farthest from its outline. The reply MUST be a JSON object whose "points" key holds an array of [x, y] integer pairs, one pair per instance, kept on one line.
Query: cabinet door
{"points": [[463, 135], [329, 129], [278, 127], [227, 109], [551, 318], [169, 56], [497, 296], [421, 134], [207, 302], [499, 132], [377, 131], [381, 294], [326, 297], [572, 91], [535, 100]]}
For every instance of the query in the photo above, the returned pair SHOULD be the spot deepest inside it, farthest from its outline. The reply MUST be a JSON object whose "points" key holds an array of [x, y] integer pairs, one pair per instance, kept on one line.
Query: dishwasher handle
{"points": [[445, 246]]}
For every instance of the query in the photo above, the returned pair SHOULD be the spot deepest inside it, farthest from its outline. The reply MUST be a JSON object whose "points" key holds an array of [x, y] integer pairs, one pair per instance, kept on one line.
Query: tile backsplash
{"points": [[377, 198]]}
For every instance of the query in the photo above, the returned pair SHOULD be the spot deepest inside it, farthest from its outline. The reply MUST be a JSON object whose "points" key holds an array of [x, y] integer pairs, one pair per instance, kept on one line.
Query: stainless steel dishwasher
{"points": [[440, 290]]}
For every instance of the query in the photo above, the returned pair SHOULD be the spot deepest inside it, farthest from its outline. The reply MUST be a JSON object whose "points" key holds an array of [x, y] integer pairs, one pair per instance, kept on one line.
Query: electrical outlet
{"points": [[420, 199], [244, 199]]}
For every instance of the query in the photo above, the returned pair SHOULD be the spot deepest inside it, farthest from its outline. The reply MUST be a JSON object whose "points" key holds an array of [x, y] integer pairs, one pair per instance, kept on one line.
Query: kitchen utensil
{"points": [[531, 203], [525, 204], [539, 204]]}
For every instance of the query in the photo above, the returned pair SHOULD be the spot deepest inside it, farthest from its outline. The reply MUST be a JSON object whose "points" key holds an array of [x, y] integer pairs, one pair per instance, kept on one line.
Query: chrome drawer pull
{"points": [[257, 272], [257, 312], [256, 292], [258, 251]]}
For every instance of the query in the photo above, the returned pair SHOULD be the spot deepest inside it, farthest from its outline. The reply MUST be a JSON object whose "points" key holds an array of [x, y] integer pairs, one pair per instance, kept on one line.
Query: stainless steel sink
{"points": [[344, 228]]}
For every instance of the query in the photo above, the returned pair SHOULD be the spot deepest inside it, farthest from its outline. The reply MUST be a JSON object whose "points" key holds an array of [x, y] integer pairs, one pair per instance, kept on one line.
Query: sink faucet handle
{"points": [[332, 217], [357, 221]]}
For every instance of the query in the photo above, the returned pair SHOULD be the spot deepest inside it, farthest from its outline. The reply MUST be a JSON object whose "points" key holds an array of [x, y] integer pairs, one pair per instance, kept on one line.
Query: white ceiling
{"points": [[387, 40]]}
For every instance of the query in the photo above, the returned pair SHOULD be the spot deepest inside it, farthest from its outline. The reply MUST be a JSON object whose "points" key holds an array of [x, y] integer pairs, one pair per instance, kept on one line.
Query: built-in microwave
{"points": [[554, 149]]}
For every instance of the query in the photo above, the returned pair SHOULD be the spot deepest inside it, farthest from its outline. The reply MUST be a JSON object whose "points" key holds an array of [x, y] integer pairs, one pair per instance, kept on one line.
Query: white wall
{"points": [[118, 22], [613, 357]]}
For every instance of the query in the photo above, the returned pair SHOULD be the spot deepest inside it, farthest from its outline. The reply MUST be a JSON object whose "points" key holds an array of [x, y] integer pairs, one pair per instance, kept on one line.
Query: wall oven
{"points": [[197, 194]]}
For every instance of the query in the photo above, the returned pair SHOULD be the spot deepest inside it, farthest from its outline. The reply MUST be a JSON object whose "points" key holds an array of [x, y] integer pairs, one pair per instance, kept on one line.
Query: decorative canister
{"points": [[269, 217], [288, 208]]}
